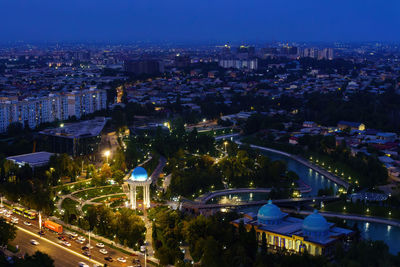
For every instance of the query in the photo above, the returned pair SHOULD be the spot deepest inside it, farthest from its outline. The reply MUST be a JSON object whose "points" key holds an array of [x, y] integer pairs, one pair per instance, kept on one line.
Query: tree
{"points": [[38, 259], [118, 176], [211, 256], [7, 232]]}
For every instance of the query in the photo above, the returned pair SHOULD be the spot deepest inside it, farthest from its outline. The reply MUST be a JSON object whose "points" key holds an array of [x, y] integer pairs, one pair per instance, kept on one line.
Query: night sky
{"points": [[199, 20]]}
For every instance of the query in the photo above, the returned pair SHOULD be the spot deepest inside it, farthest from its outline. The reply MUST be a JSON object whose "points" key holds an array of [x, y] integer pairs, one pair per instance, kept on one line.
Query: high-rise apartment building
{"points": [[35, 111]]}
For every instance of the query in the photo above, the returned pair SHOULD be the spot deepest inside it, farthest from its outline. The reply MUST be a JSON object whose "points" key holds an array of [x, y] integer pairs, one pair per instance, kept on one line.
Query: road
{"points": [[63, 255]]}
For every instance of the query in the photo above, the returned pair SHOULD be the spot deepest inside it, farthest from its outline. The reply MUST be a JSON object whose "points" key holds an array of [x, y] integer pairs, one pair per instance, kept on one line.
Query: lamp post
{"points": [[107, 154], [225, 143]]}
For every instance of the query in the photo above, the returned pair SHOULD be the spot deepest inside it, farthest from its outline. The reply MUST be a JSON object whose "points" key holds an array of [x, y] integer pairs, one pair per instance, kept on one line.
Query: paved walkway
{"points": [[207, 196], [71, 195], [305, 162]]}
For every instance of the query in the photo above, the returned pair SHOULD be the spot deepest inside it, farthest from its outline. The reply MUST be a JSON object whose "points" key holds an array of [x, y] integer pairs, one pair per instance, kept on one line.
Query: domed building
{"points": [[315, 225], [270, 214], [138, 174], [138, 178], [312, 234]]}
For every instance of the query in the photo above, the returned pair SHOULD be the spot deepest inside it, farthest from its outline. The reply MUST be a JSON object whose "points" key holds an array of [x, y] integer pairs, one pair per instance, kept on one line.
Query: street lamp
{"points": [[107, 154], [225, 143]]}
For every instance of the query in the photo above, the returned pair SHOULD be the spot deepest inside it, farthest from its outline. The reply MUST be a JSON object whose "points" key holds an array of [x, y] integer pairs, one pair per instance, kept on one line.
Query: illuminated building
{"points": [[312, 234]]}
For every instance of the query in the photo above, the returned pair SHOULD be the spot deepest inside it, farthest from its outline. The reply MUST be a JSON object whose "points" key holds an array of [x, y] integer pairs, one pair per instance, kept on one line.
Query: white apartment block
{"points": [[35, 111], [250, 64]]}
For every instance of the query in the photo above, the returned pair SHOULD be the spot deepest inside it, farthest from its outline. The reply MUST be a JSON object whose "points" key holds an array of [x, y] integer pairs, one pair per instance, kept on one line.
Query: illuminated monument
{"points": [[139, 178]]}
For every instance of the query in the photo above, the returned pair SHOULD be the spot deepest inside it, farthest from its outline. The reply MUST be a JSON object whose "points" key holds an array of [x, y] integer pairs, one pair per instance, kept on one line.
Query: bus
{"points": [[30, 214], [18, 210]]}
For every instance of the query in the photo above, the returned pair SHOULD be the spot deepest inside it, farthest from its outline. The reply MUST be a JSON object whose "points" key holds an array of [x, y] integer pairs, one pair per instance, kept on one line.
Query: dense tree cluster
{"points": [[192, 174], [168, 144], [243, 168], [167, 234], [123, 226], [25, 186], [366, 169]]}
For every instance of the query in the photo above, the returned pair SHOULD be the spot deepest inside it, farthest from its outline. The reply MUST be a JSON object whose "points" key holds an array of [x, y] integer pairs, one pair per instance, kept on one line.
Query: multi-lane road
{"points": [[64, 255]]}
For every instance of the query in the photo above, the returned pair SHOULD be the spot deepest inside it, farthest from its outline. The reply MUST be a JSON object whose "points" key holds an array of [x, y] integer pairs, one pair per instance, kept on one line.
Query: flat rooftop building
{"points": [[76, 139], [34, 160]]}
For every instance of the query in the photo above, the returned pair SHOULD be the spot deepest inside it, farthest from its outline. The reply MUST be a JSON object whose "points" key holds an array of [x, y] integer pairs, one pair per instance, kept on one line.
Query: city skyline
{"points": [[193, 21]]}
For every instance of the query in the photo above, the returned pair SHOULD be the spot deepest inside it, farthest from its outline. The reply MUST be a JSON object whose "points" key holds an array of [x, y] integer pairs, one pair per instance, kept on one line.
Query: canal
{"points": [[307, 175]]}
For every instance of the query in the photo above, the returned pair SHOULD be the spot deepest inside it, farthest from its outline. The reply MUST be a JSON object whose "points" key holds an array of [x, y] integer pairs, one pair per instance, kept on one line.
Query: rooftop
{"points": [[33, 159], [81, 129]]}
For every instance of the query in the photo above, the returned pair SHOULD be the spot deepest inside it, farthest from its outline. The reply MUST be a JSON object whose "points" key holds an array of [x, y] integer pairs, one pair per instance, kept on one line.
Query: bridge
{"points": [[210, 195], [202, 208]]}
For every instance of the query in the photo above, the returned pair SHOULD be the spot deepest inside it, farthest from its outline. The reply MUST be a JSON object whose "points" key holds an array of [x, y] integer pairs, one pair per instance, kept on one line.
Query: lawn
{"points": [[219, 132], [96, 192], [70, 205]]}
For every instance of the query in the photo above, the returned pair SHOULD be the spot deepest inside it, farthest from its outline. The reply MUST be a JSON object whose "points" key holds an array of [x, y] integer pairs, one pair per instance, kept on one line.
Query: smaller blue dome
{"points": [[139, 174], [315, 223], [270, 214]]}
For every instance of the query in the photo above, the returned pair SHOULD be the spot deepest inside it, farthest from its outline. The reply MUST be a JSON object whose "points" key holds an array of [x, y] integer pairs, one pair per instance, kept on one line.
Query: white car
{"points": [[100, 245], [89, 246], [121, 259], [103, 251], [73, 234], [27, 223], [14, 220], [65, 243], [79, 241], [34, 242], [81, 238], [82, 264], [8, 215]]}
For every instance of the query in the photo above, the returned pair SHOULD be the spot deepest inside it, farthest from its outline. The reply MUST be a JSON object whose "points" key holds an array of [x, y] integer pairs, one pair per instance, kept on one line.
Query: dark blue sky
{"points": [[199, 20]]}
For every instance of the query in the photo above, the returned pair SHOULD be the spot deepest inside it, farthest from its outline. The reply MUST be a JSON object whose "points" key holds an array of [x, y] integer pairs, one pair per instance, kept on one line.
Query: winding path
{"points": [[355, 217]]}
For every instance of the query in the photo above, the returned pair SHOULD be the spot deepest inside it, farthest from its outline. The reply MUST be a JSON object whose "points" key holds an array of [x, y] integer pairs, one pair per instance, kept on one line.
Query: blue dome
{"points": [[139, 174], [269, 214], [315, 224]]}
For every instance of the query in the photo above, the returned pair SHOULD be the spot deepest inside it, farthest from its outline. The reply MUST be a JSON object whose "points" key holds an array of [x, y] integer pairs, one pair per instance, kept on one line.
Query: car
{"points": [[86, 253], [41, 232], [82, 264], [34, 242], [85, 248], [79, 241], [73, 234], [108, 258], [103, 251], [71, 237], [81, 238], [27, 223], [14, 220], [65, 243], [100, 245], [8, 215], [121, 259], [89, 246]]}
